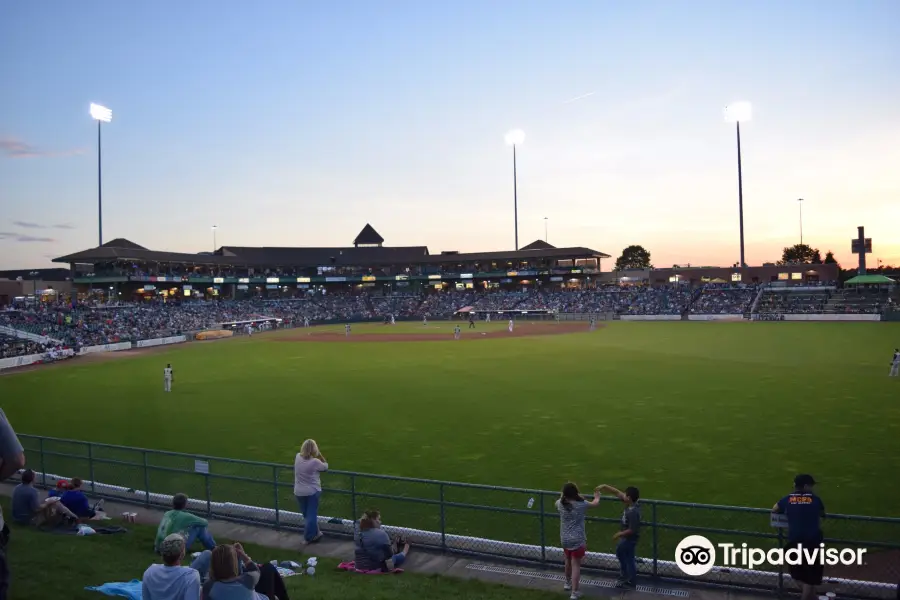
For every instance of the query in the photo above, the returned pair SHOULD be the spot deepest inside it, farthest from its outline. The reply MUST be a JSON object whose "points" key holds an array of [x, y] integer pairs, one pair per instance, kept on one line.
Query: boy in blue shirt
{"points": [[804, 511]]}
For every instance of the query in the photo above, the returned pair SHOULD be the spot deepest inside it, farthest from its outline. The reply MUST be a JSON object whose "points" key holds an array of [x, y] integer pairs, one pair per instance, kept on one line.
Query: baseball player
{"points": [[167, 378], [306, 321], [393, 321], [424, 321], [510, 326], [471, 321], [593, 323], [347, 330], [895, 363], [457, 332], [488, 319]]}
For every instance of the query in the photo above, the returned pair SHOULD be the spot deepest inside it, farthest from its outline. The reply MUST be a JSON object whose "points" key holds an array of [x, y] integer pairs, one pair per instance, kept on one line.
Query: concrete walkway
{"points": [[435, 563]]}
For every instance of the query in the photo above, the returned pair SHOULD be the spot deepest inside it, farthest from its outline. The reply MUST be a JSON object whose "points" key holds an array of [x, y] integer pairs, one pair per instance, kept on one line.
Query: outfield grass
{"points": [[704, 412], [45, 565]]}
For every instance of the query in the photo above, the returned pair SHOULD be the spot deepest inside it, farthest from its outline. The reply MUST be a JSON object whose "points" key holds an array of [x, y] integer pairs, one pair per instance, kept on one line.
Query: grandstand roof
{"points": [[122, 243], [577, 252], [537, 245], [869, 280], [368, 236]]}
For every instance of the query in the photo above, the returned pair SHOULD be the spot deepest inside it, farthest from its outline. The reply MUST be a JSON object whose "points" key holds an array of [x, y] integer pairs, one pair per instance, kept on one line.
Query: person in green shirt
{"points": [[191, 527]]}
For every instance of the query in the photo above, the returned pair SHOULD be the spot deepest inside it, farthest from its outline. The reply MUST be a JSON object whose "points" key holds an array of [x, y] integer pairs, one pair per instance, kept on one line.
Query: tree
{"points": [[634, 257], [800, 254], [831, 260]]}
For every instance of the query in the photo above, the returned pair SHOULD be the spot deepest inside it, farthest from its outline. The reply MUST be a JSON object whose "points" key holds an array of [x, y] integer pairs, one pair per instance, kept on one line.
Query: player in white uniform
{"points": [[167, 378], [488, 319], [457, 332], [347, 330], [510, 325], [895, 363], [424, 321], [593, 323], [306, 321], [393, 321]]}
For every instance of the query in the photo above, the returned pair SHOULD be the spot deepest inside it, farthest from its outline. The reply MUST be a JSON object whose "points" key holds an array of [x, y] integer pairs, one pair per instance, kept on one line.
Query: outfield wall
{"points": [[715, 317], [105, 348], [650, 318], [832, 317], [175, 339], [32, 359]]}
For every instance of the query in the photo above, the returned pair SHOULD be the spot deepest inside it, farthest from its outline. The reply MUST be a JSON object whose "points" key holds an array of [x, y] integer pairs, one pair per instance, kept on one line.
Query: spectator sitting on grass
{"points": [[171, 581], [374, 551], [75, 500], [27, 509], [234, 576], [269, 583], [189, 526]]}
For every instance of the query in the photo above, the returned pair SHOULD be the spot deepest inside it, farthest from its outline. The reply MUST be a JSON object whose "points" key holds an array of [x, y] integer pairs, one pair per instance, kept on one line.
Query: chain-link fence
{"points": [[509, 523]]}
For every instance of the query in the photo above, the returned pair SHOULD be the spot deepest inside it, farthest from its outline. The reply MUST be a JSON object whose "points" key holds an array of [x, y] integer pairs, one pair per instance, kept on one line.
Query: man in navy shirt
{"points": [[804, 511]]}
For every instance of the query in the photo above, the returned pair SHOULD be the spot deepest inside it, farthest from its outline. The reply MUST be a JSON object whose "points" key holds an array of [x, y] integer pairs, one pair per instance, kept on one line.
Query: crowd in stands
{"points": [[88, 324], [725, 300], [11, 346], [792, 302]]}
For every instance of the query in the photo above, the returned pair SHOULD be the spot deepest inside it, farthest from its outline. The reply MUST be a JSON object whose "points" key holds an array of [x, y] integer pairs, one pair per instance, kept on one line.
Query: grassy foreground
{"points": [[45, 565], [707, 412]]}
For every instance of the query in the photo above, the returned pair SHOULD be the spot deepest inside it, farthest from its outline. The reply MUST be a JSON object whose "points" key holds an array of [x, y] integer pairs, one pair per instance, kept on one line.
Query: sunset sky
{"points": [[294, 123]]}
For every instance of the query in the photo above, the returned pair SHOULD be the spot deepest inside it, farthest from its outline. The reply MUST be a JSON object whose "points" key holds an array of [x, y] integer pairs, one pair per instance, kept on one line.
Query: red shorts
{"points": [[576, 553]]}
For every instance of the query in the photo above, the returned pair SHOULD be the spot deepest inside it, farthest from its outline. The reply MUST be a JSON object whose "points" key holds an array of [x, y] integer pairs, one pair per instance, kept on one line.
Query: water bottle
{"points": [[530, 502]]}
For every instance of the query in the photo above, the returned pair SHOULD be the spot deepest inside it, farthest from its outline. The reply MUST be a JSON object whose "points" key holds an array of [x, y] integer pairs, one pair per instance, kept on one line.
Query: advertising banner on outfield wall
{"points": [[177, 339], [105, 348]]}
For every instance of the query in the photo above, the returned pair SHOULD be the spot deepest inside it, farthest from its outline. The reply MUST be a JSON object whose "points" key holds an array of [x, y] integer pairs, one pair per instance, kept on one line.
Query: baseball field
{"points": [[721, 413]]}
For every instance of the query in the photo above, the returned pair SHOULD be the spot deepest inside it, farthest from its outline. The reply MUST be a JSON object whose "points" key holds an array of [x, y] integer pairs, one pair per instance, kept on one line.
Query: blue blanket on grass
{"points": [[130, 590]]}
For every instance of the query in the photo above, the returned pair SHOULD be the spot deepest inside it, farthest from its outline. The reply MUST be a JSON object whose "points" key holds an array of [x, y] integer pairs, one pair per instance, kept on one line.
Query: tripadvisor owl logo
{"points": [[695, 555]]}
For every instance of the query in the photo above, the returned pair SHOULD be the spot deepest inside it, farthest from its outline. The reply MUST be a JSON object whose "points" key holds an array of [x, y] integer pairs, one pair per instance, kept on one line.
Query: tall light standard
{"points": [[800, 203], [214, 227], [545, 230], [513, 138], [736, 113], [101, 114]]}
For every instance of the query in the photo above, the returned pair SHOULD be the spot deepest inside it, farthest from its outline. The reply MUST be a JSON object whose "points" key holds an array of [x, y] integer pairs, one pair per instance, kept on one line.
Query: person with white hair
{"points": [[170, 580], [308, 465]]}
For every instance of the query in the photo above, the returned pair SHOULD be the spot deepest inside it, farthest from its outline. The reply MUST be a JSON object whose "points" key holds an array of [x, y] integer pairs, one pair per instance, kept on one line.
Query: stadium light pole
{"points": [[101, 114], [736, 113], [800, 203], [514, 138], [545, 230], [214, 227]]}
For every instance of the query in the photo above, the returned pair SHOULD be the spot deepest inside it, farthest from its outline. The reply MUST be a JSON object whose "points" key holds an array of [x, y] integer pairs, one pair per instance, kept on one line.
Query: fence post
{"points": [[208, 496], [353, 497], [655, 542], [43, 468], [443, 522], [543, 532], [91, 464], [146, 481], [780, 589], [275, 483]]}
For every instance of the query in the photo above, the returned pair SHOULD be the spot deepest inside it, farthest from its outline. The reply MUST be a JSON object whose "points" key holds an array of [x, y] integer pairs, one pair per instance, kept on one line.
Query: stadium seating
{"points": [[724, 300], [784, 301]]}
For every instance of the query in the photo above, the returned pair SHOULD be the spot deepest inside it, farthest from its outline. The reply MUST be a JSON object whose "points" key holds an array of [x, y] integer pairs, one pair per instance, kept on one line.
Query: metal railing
{"points": [[518, 524]]}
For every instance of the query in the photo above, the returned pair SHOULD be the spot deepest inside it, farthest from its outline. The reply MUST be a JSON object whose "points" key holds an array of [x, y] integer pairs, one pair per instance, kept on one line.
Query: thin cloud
{"points": [[28, 225], [31, 238], [18, 237], [581, 97], [16, 148], [64, 226]]}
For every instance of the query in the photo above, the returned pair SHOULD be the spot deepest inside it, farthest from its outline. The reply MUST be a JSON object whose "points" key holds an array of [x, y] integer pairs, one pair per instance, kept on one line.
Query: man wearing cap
{"points": [[804, 511], [171, 581]]}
